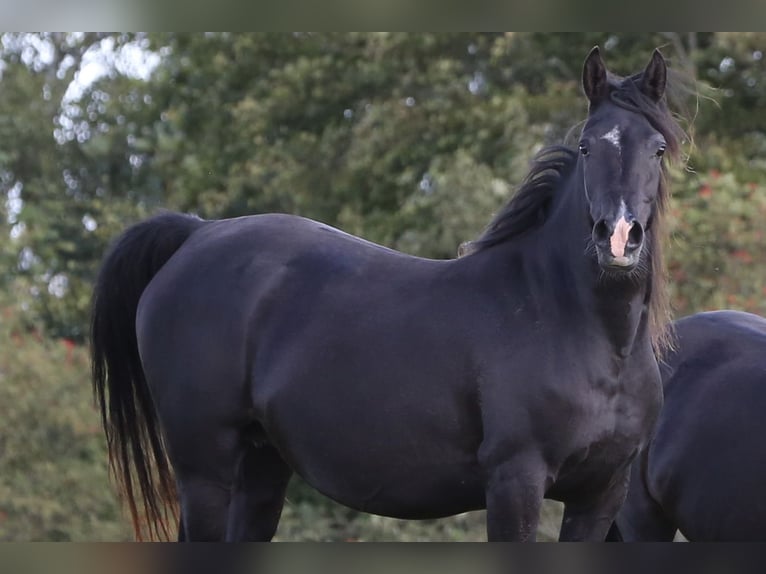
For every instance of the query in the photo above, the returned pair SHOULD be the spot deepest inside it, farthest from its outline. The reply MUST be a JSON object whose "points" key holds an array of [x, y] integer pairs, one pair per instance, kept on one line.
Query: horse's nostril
{"points": [[636, 235], [601, 231]]}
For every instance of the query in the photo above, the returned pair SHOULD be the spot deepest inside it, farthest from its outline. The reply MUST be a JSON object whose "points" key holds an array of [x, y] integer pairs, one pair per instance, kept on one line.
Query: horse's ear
{"points": [[594, 82], [655, 77]]}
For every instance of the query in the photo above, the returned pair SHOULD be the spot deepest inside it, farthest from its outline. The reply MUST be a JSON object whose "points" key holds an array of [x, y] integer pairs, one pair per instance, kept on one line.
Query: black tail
{"points": [[136, 450]]}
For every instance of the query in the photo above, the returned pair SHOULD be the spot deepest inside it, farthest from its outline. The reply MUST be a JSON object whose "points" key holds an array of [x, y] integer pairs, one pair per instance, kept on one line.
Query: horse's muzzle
{"points": [[618, 243]]}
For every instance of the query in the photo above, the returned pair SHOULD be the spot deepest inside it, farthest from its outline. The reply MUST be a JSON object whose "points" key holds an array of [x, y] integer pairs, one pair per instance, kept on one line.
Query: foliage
{"points": [[717, 262], [54, 482], [408, 140], [412, 140]]}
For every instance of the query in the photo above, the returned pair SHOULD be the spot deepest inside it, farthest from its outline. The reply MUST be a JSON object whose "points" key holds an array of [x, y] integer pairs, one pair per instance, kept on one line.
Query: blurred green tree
{"points": [[364, 131], [412, 140]]}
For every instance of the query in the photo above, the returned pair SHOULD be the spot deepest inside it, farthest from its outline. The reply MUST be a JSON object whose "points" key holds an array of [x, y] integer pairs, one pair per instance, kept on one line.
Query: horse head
{"points": [[621, 147]]}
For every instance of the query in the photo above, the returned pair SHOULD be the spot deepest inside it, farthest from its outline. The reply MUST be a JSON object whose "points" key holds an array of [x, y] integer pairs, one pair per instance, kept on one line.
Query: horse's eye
{"points": [[584, 149], [661, 151]]}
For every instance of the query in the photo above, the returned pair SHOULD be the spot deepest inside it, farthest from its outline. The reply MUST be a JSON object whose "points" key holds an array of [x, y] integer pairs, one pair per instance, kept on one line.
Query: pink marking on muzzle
{"points": [[620, 237]]}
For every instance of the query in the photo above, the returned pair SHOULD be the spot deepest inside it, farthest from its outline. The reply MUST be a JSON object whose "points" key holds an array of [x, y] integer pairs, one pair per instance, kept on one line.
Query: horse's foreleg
{"points": [[514, 495], [641, 518], [591, 518], [258, 495]]}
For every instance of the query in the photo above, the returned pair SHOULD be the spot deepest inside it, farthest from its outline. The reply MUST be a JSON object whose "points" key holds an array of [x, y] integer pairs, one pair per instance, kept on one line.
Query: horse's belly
{"points": [[389, 435], [414, 492], [422, 468]]}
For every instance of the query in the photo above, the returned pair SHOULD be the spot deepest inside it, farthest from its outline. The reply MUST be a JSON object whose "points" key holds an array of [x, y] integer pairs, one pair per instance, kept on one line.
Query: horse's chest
{"points": [[593, 464], [612, 427]]}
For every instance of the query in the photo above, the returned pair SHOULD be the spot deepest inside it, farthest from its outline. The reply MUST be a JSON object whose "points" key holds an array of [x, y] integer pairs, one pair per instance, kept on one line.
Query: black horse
{"points": [[250, 348], [715, 392]]}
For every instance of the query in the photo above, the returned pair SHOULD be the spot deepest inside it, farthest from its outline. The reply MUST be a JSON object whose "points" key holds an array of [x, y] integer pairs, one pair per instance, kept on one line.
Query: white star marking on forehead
{"points": [[613, 137]]}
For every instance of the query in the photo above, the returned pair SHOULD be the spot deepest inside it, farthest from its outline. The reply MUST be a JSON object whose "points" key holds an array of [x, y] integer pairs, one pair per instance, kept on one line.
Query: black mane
{"points": [[528, 208]]}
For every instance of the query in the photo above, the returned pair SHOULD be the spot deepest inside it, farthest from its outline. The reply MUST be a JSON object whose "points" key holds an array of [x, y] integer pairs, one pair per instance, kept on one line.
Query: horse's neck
{"points": [[622, 307], [619, 302]]}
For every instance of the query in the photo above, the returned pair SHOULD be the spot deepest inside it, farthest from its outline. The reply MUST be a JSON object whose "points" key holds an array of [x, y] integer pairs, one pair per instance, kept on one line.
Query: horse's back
{"points": [[271, 276], [706, 465], [228, 262]]}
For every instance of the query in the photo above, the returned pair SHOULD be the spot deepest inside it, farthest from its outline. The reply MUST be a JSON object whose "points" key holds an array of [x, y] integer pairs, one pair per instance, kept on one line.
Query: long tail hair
{"points": [[137, 456]]}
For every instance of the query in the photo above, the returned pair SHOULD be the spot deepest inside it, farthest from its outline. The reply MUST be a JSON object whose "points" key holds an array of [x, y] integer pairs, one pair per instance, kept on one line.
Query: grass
{"points": [[330, 522]]}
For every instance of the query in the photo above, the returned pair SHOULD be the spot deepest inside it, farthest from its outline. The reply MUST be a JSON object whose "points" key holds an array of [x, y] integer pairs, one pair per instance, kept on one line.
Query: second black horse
{"points": [[704, 471]]}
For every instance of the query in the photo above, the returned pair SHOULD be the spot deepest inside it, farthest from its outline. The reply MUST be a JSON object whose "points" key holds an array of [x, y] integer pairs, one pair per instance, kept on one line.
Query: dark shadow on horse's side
{"points": [[703, 473], [229, 354]]}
